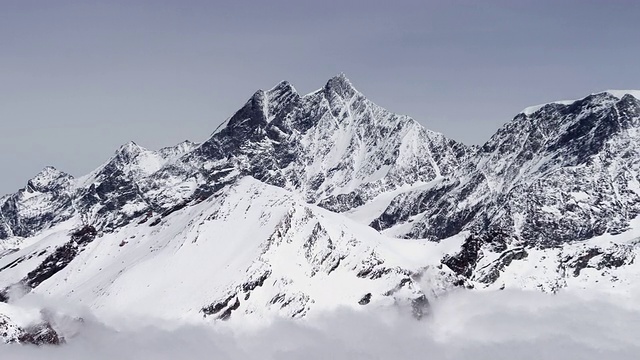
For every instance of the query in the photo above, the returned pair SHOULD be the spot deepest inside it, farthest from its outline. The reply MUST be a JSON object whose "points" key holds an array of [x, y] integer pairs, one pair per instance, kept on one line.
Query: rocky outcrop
{"points": [[35, 334]]}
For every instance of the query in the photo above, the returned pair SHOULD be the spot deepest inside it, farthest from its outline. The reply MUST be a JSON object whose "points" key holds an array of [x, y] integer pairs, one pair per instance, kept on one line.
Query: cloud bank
{"points": [[462, 325]]}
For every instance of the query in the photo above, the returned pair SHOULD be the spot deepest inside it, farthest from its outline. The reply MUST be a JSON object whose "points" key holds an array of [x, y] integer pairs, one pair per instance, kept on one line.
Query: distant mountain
{"points": [[557, 174], [304, 203]]}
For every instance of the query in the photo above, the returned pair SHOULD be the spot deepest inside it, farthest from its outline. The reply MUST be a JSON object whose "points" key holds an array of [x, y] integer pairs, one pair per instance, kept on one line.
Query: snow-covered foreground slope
{"points": [[254, 248], [258, 253]]}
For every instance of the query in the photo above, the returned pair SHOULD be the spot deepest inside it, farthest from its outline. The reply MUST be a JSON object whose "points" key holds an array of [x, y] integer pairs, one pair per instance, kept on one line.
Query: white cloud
{"points": [[462, 325]]}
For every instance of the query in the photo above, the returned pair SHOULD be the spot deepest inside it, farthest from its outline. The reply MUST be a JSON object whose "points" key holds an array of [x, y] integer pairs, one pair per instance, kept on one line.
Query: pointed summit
{"points": [[622, 93], [282, 90], [128, 152], [340, 85], [262, 108], [47, 179], [283, 87], [177, 150], [130, 147]]}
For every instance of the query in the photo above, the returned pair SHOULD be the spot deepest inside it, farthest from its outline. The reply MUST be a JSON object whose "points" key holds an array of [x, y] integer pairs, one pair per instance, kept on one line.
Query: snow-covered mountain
{"points": [[333, 146], [557, 174], [299, 204]]}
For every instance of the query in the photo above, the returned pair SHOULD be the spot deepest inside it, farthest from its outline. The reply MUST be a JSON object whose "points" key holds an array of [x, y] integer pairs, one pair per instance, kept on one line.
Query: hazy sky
{"points": [[79, 78]]}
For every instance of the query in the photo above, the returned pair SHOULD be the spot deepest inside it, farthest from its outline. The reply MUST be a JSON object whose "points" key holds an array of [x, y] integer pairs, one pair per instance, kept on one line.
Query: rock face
{"points": [[265, 217], [34, 334], [333, 146], [45, 201], [9, 331], [558, 174]]}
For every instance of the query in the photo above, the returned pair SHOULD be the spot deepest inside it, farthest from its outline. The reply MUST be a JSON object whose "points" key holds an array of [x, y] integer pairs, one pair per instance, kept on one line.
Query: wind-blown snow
{"points": [[617, 93], [532, 109], [621, 93]]}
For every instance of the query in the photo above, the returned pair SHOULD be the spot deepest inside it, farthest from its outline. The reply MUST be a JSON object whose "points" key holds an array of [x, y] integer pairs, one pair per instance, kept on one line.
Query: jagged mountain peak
{"points": [[48, 178], [132, 157], [549, 176], [328, 143], [48, 172], [283, 87], [267, 105], [129, 150], [280, 91], [171, 152], [130, 146], [622, 93], [604, 97], [341, 86], [264, 106]]}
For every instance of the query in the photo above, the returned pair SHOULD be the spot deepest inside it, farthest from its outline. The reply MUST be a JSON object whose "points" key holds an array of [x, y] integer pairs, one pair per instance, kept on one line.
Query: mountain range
{"points": [[299, 204]]}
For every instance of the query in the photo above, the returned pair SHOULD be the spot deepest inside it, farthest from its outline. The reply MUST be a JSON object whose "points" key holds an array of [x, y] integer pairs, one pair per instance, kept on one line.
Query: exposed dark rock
{"points": [[173, 209], [9, 331], [366, 299], [62, 256], [52, 187], [562, 173], [251, 285], [216, 307], [493, 272], [419, 307], [279, 298], [599, 258], [14, 263], [373, 273], [464, 262], [342, 202], [582, 261], [41, 334], [613, 260], [146, 218], [227, 313]]}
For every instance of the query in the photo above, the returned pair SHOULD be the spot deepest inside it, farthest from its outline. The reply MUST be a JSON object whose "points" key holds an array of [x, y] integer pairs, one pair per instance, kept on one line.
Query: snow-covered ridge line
{"points": [[621, 93], [549, 178], [532, 109], [616, 93]]}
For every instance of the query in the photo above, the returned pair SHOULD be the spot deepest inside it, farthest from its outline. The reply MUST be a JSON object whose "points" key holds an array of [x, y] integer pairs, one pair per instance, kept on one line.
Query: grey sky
{"points": [[79, 78]]}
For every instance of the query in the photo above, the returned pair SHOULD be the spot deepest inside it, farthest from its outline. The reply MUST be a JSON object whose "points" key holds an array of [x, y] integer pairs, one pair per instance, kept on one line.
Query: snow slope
{"points": [[258, 245]]}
